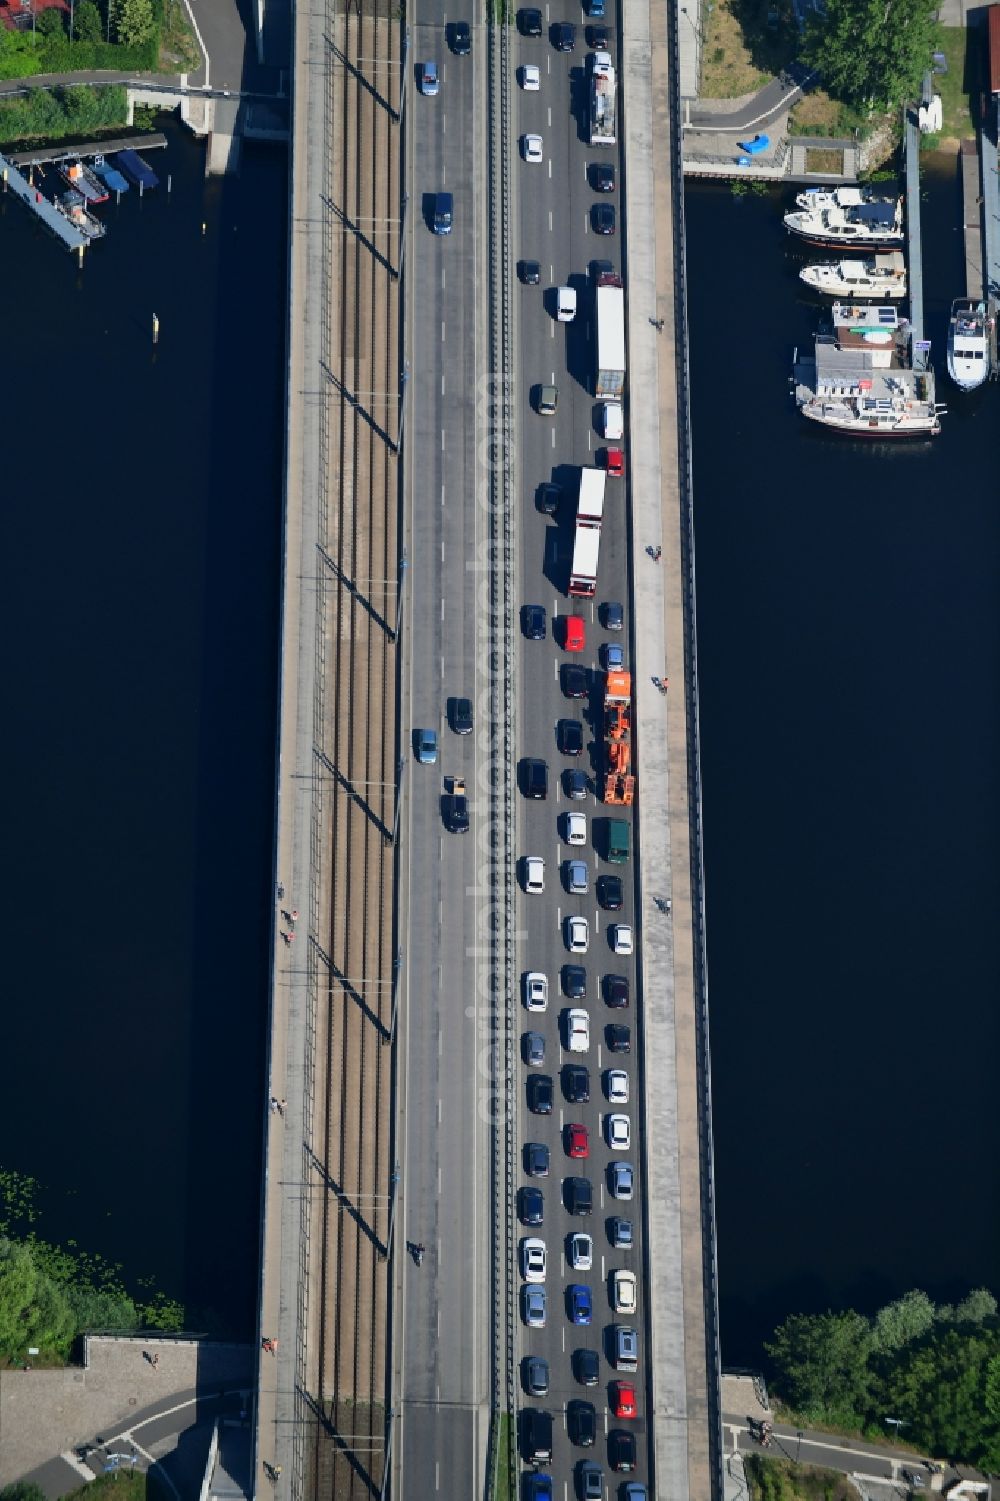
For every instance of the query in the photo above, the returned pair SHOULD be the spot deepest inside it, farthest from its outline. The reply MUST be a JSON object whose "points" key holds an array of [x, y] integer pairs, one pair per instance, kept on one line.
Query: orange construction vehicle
{"points": [[619, 783]]}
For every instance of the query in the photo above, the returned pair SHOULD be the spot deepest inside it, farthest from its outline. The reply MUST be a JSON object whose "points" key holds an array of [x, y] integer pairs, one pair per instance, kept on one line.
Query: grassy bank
{"points": [[780, 1480], [56, 114]]}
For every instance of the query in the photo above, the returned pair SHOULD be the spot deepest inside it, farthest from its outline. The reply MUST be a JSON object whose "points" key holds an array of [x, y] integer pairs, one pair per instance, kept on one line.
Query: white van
{"points": [[612, 421], [565, 304]]}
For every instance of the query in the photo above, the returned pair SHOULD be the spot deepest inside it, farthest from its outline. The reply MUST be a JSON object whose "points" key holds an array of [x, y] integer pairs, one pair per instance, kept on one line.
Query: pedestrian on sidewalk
{"points": [[282, 1107], [156, 1361], [275, 1105], [658, 554]]}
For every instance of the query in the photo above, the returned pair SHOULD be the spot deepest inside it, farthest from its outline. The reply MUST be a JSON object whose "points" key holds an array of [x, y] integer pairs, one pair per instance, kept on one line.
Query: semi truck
{"points": [[587, 533], [609, 344], [602, 100]]}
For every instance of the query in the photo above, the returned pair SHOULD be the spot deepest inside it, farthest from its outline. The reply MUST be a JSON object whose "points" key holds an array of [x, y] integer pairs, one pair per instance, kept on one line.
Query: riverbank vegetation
{"points": [[871, 54], [120, 36], [49, 1295], [934, 1369], [55, 114], [780, 1480]]}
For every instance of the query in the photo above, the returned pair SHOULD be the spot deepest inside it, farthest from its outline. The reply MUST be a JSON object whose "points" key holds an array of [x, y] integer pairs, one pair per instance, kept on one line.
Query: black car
{"points": [[460, 714], [536, 777], [618, 1038], [615, 990], [620, 1233], [599, 269], [576, 1083], [602, 177], [612, 615], [549, 497], [529, 272], [569, 733], [533, 622], [602, 218], [457, 813], [621, 1450], [459, 38], [587, 1367], [535, 1375], [529, 21], [536, 1159], [575, 784], [610, 892], [574, 982], [540, 1094], [581, 1420], [597, 38], [579, 1195], [536, 1435], [589, 1481], [530, 1206], [534, 1049], [574, 680], [563, 35]]}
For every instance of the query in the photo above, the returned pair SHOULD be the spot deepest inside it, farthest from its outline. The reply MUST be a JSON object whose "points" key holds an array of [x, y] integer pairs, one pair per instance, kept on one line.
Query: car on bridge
{"points": [[535, 1375], [618, 1038], [576, 1027], [581, 1422], [574, 982], [533, 1259], [623, 1292], [580, 1252], [530, 78], [536, 1159], [621, 1175], [621, 1450], [533, 622], [579, 1195], [534, 875], [540, 1095], [425, 744], [575, 828], [533, 1306], [576, 933], [529, 21], [459, 38], [536, 990], [616, 1086], [618, 1131], [534, 1049], [579, 1303], [530, 1206], [577, 1141], [569, 737], [590, 1481], [586, 1367], [623, 1403], [576, 1083], [577, 877], [429, 84], [532, 147]]}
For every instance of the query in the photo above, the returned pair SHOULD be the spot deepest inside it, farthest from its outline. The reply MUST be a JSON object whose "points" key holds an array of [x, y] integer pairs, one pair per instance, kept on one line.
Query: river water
{"points": [[849, 649], [139, 577]]}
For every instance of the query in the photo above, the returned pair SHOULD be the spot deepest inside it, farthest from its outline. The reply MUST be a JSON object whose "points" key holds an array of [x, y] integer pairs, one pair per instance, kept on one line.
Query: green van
{"points": [[618, 838]]}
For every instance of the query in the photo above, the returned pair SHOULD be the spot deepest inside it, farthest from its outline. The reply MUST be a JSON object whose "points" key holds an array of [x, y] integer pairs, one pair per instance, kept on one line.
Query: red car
{"points": [[614, 462], [573, 635], [623, 1399], [577, 1141]]}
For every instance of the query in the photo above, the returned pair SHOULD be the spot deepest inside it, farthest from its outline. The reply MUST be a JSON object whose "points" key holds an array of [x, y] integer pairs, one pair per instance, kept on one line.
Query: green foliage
{"points": [[87, 23], [162, 1313], [50, 22], [907, 1319], [132, 21], [55, 113], [979, 1306], [34, 1310], [19, 57], [872, 52], [22, 1490], [823, 1360]]}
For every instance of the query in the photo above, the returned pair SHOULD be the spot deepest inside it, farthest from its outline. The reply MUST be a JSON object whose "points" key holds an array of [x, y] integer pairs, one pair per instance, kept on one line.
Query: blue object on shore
{"points": [[756, 146], [137, 170], [110, 175]]}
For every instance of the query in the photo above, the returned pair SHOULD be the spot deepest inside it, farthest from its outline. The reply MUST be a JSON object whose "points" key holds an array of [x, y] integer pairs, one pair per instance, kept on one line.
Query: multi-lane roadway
{"points": [[444, 1169]]}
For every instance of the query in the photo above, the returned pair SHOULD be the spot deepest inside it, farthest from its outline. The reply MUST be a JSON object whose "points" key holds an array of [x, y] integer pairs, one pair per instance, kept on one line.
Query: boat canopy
{"points": [[873, 213]]}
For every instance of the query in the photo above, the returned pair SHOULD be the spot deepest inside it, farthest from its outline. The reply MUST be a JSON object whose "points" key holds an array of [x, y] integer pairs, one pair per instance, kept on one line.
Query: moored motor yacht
{"points": [[875, 276], [843, 196], [864, 226], [968, 343], [860, 379]]}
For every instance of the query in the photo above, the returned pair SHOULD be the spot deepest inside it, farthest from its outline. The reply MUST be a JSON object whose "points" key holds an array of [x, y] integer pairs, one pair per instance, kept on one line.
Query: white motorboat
{"points": [[860, 380], [864, 226], [968, 343], [844, 196], [875, 276]]}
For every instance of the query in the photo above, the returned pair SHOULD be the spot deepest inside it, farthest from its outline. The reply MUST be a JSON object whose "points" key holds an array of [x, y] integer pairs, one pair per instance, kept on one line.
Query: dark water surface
{"points": [[139, 583], [849, 649]]}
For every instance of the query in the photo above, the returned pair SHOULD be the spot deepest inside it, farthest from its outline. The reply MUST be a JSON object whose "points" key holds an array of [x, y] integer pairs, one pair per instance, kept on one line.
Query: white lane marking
{"points": [[442, 679], [444, 175], [440, 1043], [442, 330], [550, 169], [442, 278], [555, 666], [550, 117], [444, 123], [439, 1112], [551, 273], [552, 330], [442, 495], [437, 1475], [586, 224], [442, 440], [553, 437], [442, 602], [442, 385], [590, 440], [442, 556]]}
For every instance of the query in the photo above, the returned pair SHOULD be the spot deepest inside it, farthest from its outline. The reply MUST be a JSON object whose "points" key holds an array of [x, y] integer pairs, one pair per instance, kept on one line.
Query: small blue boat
{"points": [[136, 170], [110, 175]]}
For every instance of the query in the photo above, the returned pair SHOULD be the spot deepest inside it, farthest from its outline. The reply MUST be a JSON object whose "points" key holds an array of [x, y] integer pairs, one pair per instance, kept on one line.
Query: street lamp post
{"points": [[404, 564], [393, 1189], [896, 1424], [396, 968]]}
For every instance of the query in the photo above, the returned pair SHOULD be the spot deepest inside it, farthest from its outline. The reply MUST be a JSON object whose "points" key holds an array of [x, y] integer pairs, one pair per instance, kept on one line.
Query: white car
{"points": [[618, 1130], [621, 937], [577, 1030], [623, 1299], [536, 990], [576, 828], [533, 1259], [530, 80], [616, 1086], [565, 304], [612, 421], [577, 931], [581, 1252], [534, 874], [531, 148]]}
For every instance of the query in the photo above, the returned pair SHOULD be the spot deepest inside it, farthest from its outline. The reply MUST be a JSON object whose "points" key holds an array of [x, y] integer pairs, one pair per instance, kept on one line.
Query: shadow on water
{"points": [[140, 578], [849, 654]]}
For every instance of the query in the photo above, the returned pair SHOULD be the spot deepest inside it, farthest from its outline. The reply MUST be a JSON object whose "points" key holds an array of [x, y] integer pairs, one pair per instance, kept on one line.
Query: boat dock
{"points": [[60, 152], [914, 259], [15, 182]]}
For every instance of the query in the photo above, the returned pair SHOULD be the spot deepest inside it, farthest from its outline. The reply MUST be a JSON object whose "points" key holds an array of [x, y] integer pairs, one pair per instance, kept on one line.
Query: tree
{"points": [[872, 53], [87, 23], [22, 1490], [33, 1309], [976, 1308], [907, 1319], [49, 22], [132, 21], [821, 1365]]}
